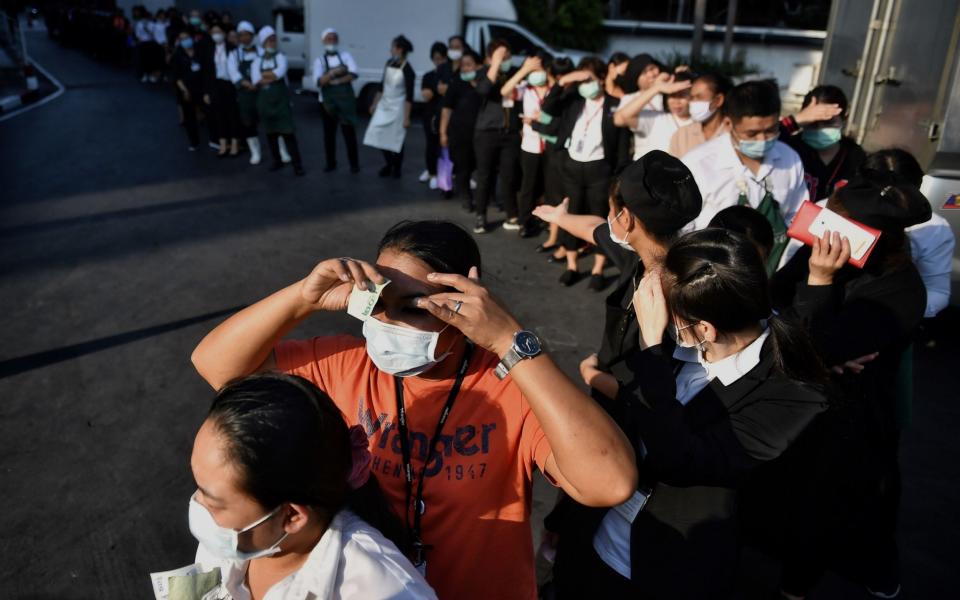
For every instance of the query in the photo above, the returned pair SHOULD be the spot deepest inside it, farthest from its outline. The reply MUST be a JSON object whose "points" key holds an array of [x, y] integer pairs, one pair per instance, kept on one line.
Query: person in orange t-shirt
{"points": [[458, 401]]}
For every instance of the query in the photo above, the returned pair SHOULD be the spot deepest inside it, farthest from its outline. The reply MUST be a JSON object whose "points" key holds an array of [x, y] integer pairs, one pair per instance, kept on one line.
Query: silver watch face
{"points": [[526, 344]]}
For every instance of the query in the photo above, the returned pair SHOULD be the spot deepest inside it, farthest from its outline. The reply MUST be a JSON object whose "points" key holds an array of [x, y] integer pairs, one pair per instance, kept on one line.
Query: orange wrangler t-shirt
{"points": [[477, 495]]}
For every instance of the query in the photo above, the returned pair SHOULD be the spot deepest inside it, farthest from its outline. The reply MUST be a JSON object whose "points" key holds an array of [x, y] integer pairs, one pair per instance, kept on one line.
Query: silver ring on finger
{"points": [[457, 306]]}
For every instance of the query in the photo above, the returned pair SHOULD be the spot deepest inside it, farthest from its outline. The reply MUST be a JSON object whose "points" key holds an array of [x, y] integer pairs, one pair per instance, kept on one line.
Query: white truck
{"points": [[366, 28]]}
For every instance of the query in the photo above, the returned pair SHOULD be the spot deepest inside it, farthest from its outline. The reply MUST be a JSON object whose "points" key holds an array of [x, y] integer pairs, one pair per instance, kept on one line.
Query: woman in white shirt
{"points": [[530, 84], [582, 114], [653, 129], [223, 96], [281, 482]]}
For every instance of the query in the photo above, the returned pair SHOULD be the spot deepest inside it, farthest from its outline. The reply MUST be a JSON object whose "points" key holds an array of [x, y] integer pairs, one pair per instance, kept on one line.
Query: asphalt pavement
{"points": [[119, 250]]}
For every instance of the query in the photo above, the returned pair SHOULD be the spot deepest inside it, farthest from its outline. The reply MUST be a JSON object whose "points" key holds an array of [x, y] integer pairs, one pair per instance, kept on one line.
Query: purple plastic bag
{"points": [[445, 171]]}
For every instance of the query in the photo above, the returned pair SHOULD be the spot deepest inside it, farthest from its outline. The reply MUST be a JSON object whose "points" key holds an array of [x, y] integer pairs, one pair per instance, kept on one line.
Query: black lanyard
{"points": [[419, 548]]}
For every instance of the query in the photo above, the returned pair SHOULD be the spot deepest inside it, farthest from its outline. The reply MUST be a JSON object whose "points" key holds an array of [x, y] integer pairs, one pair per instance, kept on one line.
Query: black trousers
{"points": [[432, 135], [349, 132], [190, 118], [498, 157], [273, 139], [394, 160], [464, 163], [587, 184], [533, 167], [224, 112]]}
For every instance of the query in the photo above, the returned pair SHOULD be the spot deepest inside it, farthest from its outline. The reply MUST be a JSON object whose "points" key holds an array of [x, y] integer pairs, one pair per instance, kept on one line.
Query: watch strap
{"points": [[509, 360]]}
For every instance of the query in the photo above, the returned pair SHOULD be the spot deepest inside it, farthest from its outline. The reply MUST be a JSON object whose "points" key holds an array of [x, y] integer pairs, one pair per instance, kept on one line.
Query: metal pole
{"points": [[699, 16], [728, 32]]}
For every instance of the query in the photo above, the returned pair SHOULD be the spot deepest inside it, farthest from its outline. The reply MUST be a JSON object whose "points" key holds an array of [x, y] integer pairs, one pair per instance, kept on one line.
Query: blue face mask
{"points": [[195, 21], [756, 149], [589, 89], [505, 66], [537, 78], [818, 139], [468, 75], [186, 43]]}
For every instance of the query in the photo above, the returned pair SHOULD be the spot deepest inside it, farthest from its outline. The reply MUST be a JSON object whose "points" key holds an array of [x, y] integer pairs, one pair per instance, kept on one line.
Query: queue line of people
{"points": [[735, 367]]}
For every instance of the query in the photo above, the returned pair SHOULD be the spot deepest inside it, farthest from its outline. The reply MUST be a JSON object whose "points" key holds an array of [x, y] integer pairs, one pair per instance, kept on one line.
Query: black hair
{"points": [[892, 250], [618, 58], [446, 247], [718, 277], [718, 82], [497, 43], [473, 55], [897, 161], [546, 59], [560, 66], [827, 94], [752, 99], [458, 37], [290, 443], [403, 43], [438, 48], [594, 64], [746, 221]]}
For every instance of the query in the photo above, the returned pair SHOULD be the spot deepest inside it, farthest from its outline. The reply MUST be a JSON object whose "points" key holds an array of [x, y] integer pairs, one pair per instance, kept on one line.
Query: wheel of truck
{"points": [[365, 99]]}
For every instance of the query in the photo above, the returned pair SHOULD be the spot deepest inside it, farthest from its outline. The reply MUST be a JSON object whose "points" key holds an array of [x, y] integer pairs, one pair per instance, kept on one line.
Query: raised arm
{"points": [[626, 115], [529, 65], [580, 226], [243, 344], [591, 459]]}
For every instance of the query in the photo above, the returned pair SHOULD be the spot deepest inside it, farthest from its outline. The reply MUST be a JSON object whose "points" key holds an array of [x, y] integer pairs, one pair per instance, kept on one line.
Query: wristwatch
{"points": [[525, 345]]}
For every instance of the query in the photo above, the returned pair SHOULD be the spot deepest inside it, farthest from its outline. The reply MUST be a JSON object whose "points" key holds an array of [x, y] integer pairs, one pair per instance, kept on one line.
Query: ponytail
{"points": [[793, 352]]}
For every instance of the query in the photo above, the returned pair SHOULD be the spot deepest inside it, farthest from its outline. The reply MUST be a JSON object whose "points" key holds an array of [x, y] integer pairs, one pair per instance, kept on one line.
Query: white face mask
{"points": [[700, 110], [623, 243], [222, 541], [454, 54], [675, 333], [218, 38], [401, 351]]}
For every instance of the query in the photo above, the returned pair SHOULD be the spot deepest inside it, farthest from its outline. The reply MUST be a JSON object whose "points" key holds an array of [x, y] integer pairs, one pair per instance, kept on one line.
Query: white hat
{"points": [[328, 31], [245, 26], [265, 32]]}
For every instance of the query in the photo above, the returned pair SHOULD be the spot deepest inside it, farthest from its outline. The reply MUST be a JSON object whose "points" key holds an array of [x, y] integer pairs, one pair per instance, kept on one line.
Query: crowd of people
{"points": [[748, 390]]}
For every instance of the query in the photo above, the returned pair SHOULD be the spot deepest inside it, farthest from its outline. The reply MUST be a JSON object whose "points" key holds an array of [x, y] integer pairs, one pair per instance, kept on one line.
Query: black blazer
{"points": [[564, 105], [683, 543]]}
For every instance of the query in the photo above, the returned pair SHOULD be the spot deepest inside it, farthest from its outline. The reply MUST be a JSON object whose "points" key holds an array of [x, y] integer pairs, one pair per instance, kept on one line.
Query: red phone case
{"points": [[800, 230]]}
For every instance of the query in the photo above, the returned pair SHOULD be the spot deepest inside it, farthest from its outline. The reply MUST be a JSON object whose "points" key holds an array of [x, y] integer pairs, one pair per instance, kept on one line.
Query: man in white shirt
{"points": [[749, 166], [334, 71]]}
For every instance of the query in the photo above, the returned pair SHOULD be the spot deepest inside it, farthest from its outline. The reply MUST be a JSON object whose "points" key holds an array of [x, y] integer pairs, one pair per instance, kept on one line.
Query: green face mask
{"points": [[589, 89], [537, 78], [468, 75], [818, 139]]}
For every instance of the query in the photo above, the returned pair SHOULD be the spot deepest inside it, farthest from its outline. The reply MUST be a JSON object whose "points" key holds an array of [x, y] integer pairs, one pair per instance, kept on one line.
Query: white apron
{"points": [[386, 130]]}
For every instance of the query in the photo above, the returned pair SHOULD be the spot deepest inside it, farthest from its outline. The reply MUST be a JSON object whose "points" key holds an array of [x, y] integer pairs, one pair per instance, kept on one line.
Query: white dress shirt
{"points": [[280, 70], [159, 32], [586, 140], [931, 246], [351, 560], [530, 140], [220, 61], [653, 131], [143, 30], [721, 177], [342, 57], [233, 62], [612, 539]]}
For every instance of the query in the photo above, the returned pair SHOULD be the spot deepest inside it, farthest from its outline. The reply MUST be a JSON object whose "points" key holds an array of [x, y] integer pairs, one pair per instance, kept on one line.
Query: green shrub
{"points": [[564, 23]]}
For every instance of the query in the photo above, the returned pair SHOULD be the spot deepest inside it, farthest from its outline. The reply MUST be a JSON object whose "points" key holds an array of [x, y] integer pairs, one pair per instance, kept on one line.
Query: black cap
{"points": [[661, 192], [883, 200]]}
